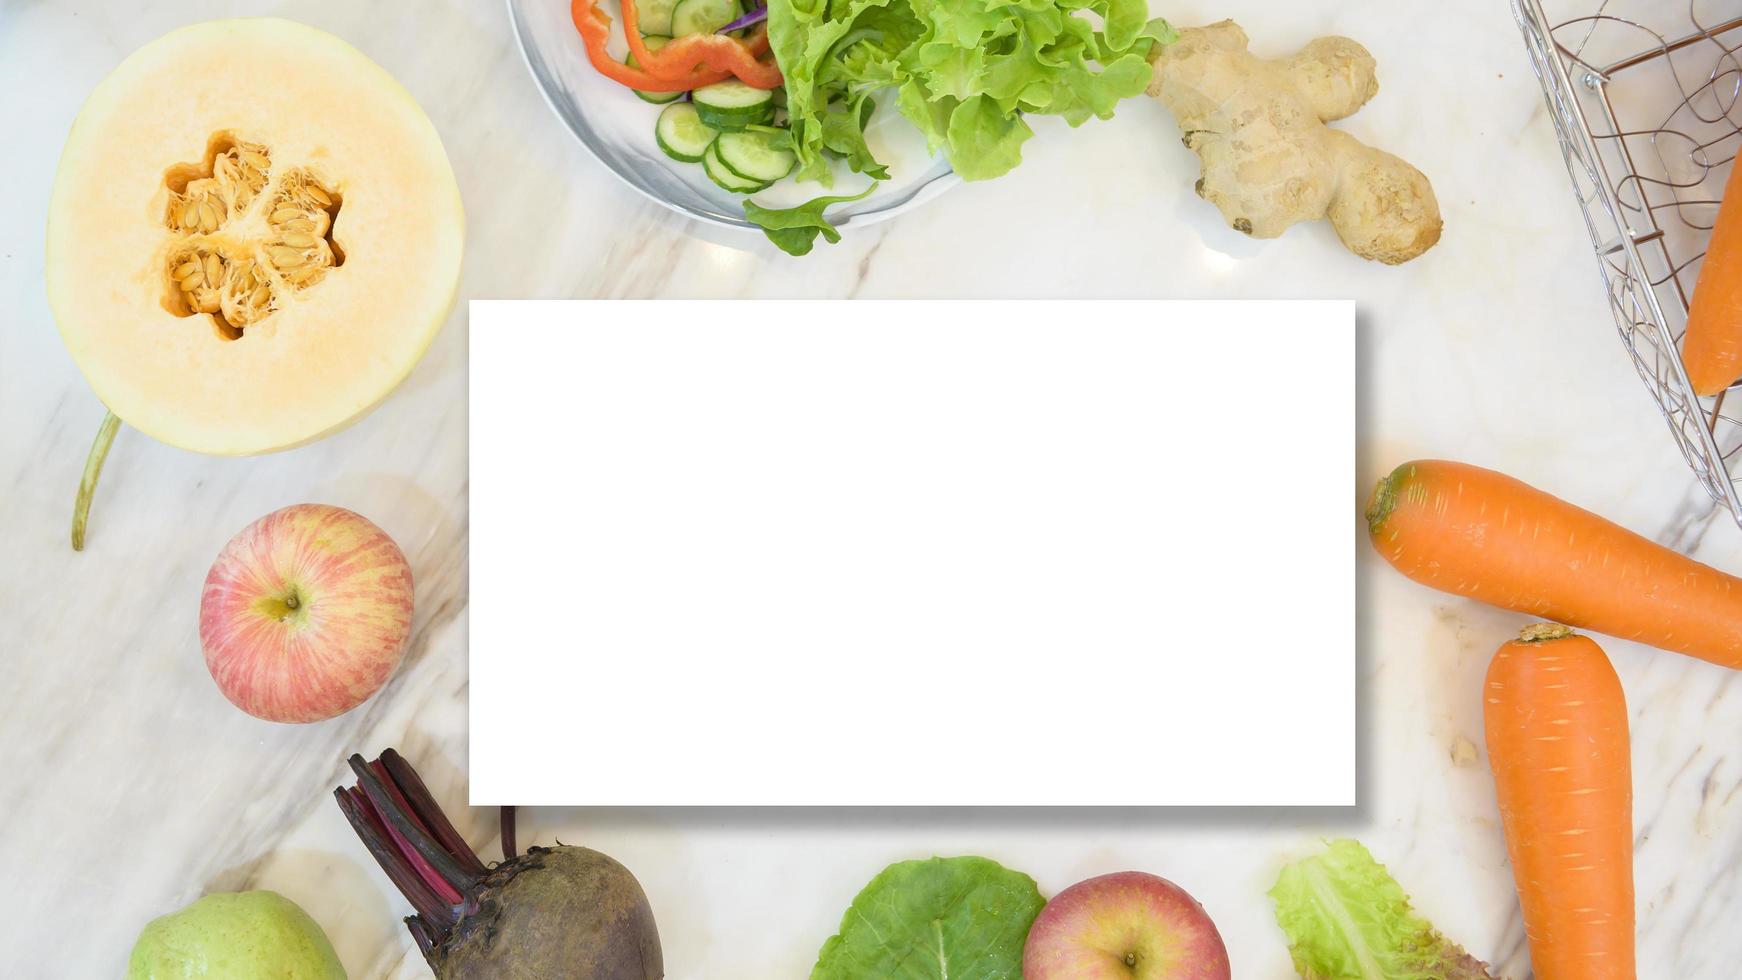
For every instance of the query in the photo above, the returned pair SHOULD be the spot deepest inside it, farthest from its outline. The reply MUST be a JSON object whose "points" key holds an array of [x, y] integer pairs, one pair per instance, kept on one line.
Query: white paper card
{"points": [[945, 553]]}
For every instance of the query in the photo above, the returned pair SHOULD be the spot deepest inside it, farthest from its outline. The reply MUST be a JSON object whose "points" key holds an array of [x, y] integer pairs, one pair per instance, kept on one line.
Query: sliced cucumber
{"points": [[757, 155], [718, 173], [732, 105], [654, 42], [732, 122], [681, 133], [654, 16], [702, 16], [734, 96]]}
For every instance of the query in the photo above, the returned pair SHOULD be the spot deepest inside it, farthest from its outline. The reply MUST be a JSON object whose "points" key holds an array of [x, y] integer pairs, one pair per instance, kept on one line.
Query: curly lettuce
{"points": [[965, 72], [1348, 919]]}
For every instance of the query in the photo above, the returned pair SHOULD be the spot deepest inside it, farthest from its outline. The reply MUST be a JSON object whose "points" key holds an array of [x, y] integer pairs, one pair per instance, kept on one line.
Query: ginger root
{"points": [[1268, 159]]}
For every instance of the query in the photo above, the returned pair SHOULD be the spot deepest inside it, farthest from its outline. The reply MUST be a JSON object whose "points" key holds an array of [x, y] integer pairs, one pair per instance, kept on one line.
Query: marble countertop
{"points": [[131, 787]]}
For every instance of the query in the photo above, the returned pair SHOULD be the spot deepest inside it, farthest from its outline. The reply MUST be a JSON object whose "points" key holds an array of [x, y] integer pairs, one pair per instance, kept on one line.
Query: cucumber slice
{"points": [[702, 16], [733, 96], [654, 42], [732, 122], [755, 155], [718, 173], [732, 105], [653, 17], [681, 133]]}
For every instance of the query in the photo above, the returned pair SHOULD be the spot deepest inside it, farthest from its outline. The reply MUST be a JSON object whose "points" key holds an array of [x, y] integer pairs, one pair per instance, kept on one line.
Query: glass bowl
{"points": [[617, 127]]}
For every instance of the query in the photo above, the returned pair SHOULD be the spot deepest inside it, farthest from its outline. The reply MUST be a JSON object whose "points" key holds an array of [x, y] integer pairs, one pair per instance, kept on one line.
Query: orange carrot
{"points": [[1712, 349], [1556, 724], [1478, 533]]}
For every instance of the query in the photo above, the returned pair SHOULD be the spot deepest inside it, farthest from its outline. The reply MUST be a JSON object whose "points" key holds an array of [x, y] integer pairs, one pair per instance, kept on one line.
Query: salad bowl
{"points": [[618, 128]]}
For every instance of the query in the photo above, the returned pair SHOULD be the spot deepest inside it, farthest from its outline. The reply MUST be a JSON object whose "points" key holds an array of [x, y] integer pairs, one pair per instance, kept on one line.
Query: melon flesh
{"points": [[254, 235]]}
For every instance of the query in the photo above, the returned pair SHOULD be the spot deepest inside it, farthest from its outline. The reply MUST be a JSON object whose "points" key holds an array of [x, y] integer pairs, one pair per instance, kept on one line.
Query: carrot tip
{"points": [[1543, 632], [1384, 499]]}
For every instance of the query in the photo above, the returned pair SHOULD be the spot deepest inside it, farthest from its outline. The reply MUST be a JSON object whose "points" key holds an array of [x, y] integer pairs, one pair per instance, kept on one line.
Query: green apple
{"points": [[238, 936]]}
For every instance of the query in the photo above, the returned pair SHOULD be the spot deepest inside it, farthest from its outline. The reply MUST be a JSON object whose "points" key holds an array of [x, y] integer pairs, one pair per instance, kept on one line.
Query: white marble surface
{"points": [[130, 786]]}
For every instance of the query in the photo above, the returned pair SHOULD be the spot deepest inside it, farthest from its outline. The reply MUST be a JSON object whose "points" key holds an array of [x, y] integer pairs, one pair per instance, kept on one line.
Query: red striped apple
{"points": [[305, 613], [1124, 926]]}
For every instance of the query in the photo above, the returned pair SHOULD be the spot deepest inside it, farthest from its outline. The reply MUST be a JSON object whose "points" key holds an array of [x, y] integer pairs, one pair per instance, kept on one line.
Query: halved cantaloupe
{"points": [[254, 235]]}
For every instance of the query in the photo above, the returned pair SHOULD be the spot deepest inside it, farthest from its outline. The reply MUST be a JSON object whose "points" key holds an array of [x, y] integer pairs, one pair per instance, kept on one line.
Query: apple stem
{"points": [[93, 469], [508, 848]]}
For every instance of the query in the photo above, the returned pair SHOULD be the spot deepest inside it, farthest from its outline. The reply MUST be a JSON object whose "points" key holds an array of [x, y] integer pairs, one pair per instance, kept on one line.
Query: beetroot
{"points": [[553, 913]]}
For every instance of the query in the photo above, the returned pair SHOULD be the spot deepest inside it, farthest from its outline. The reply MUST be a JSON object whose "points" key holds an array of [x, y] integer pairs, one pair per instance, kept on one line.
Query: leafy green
{"points": [[961, 918], [965, 73], [1348, 919], [794, 230]]}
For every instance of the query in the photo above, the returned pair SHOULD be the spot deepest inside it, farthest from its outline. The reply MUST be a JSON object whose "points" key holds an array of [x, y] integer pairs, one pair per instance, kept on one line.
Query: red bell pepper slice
{"points": [[594, 27], [684, 63], [719, 52], [716, 52]]}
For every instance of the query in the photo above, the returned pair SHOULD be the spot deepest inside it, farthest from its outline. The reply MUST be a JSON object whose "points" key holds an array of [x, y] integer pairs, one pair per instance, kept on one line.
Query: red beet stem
{"points": [[508, 848], [436, 865], [362, 818], [429, 873], [423, 935], [427, 812]]}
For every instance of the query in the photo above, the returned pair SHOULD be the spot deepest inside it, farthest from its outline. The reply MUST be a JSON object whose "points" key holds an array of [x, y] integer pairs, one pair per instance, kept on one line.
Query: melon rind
{"points": [[327, 358]]}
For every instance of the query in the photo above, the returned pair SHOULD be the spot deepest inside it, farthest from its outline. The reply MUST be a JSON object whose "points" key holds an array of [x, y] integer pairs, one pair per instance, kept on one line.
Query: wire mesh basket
{"points": [[1646, 98]]}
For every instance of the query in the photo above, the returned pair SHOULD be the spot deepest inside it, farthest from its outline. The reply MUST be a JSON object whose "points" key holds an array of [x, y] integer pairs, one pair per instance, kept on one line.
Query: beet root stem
{"points": [[361, 815], [428, 812], [447, 874]]}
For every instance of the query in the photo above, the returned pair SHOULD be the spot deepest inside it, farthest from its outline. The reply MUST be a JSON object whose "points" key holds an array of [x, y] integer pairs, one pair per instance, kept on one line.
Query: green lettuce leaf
{"points": [[844, 134], [794, 230], [984, 140], [1347, 919], [961, 918], [831, 56], [965, 73]]}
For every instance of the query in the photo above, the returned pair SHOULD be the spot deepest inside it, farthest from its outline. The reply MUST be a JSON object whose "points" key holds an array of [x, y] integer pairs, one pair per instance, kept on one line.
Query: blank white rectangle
{"points": [[935, 553]]}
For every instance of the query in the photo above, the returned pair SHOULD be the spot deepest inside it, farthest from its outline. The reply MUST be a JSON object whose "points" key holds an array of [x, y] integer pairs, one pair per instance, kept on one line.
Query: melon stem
{"points": [[93, 469]]}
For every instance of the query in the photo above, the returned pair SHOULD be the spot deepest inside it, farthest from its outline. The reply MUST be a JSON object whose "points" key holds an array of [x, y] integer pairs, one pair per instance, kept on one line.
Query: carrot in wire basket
{"points": [[1712, 348], [1482, 534], [1556, 725]]}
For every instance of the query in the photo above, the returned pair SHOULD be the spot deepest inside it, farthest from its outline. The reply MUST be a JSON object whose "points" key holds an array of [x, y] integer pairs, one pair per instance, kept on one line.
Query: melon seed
{"points": [[294, 254]]}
